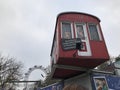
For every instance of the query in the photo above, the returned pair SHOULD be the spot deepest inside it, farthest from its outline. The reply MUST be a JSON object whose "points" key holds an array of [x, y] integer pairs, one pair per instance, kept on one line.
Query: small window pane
{"points": [[93, 32], [80, 31], [66, 31]]}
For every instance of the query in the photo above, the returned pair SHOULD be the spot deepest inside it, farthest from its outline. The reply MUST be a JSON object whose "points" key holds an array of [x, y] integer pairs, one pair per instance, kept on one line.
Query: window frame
{"points": [[84, 27], [98, 31], [71, 26]]}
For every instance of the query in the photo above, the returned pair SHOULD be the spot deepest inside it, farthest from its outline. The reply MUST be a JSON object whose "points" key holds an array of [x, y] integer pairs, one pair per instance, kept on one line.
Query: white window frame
{"points": [[98, 30], [71, 24], [84, 27]]}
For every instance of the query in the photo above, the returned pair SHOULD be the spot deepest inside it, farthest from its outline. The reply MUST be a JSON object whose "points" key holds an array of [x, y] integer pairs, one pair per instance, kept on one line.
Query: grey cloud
{"points": [[27, 26]]}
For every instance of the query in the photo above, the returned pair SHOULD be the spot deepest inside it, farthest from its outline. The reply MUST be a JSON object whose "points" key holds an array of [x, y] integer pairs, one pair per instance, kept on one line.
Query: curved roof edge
{"points": [[72, 12]]}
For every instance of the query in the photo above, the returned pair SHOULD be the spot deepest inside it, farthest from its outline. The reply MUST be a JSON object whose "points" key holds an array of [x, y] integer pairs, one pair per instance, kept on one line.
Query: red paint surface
{"points": [[62, 57]]}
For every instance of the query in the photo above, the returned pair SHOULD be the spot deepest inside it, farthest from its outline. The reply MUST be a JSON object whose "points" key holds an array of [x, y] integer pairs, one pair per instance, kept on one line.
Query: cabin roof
{"points": [[69, 13], [77, 13]]}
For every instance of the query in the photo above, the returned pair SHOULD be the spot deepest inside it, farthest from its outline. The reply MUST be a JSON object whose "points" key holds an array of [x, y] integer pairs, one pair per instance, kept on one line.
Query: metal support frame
{"points": [[68, 68], [71, 67]]}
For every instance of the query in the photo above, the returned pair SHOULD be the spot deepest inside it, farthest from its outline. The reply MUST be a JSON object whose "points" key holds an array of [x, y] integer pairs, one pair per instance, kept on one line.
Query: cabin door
{"points": [[81, 32]]}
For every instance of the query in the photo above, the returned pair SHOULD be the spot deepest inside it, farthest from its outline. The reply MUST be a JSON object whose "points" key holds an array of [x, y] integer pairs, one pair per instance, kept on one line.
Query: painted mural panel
{"points": [[106, 82], [100, 83]]}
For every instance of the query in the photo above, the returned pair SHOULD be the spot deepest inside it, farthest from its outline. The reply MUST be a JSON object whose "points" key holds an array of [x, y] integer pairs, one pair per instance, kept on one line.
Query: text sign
{"points": [[69, 44]]}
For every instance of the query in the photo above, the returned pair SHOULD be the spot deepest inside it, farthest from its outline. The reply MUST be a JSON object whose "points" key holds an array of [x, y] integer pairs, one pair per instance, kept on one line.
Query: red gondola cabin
{"points": [[78, 44]]}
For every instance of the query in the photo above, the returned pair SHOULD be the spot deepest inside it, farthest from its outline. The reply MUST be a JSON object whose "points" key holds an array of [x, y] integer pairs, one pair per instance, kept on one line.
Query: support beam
{"points": [[70, 67]]}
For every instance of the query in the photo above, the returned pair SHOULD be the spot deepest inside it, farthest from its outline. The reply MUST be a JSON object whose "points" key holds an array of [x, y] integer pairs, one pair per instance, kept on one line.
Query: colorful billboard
{"points": [[106, 82]]}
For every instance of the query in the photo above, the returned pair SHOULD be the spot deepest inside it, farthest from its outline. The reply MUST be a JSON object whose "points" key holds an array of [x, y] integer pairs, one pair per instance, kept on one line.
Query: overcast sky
{"points": [[27, 26]]}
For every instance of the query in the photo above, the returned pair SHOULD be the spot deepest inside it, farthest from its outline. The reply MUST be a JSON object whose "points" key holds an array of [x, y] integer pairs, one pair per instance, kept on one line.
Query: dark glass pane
{"points": [[93, 32], [80, 31], [66, 31]]}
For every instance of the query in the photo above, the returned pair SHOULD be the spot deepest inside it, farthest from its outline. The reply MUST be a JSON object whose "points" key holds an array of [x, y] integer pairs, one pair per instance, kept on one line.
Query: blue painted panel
{"points": [[106, 82], [56, 86]]}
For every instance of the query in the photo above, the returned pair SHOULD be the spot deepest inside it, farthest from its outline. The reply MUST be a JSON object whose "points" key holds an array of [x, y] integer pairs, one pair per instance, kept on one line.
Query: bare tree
{"points": [[104, 65], [10, 70], [117, 58]]}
